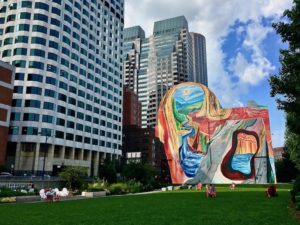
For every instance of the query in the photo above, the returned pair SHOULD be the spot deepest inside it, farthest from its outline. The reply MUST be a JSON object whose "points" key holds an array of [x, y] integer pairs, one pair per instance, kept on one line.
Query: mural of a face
{"points": [[208, 144]]}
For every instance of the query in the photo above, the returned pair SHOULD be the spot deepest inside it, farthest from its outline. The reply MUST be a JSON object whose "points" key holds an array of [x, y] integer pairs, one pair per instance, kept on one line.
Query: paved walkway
{"points": [[36, 198]]}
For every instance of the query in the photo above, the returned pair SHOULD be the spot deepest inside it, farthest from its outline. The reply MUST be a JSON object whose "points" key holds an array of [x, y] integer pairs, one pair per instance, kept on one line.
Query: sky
{"points": [[242, 47]]}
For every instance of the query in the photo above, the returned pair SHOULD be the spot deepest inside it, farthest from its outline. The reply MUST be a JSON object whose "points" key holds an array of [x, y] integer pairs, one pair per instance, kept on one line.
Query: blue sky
{"points": [[242, 47]]}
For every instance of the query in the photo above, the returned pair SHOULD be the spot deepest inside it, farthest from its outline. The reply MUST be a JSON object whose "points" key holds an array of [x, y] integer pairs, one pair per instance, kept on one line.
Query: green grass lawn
{"points": [[245, 205]]}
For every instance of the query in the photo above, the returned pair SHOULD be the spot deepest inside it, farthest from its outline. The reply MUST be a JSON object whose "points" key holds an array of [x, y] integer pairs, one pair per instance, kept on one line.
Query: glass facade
{"points": [[153, 65]]}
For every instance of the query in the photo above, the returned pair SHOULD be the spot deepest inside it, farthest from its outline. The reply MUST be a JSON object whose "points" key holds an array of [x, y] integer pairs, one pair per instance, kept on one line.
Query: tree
{"points": [[143, 173], [285, 169], [108, 171], [74, 176], [292, 145], [287, 82]]}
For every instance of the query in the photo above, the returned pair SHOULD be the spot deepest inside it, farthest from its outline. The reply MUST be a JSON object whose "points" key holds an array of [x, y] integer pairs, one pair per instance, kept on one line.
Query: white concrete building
{"points": [[67, 107]]}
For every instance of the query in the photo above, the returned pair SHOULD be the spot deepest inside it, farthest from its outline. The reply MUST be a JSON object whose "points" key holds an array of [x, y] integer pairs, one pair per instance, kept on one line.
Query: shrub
{"points": [[74, 177], [124, 188], [143, 173], [134, 187], [6, 192], [118, 188], [98, 185]]}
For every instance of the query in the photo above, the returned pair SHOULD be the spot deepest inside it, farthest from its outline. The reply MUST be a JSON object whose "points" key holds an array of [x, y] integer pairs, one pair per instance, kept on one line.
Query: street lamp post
{"points": [[45, 151], [47, 136]]}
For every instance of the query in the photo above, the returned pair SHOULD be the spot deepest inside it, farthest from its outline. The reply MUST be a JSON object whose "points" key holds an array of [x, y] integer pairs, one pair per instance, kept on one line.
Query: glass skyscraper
{"points": [[162, 60], [199, 58], [67, 107]]}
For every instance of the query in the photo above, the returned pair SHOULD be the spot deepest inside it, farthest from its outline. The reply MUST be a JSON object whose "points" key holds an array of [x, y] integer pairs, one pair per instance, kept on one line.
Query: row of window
{"points": [[61, 135], [34, 117], [63, 110], [63, 61]]}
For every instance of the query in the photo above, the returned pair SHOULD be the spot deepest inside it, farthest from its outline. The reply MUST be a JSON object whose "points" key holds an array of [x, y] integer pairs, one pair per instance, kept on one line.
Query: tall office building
{"points": [[199, 58], [160, 61], [133, 37], [67, 107]]}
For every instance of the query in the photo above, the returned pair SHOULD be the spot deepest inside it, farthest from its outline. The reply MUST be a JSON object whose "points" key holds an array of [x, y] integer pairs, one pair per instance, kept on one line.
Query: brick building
{"points": [[6, 92], [131, 108]]}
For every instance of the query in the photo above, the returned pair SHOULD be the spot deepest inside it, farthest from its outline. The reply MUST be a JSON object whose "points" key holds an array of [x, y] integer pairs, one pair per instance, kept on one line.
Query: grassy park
{"points": [[244, 205]]}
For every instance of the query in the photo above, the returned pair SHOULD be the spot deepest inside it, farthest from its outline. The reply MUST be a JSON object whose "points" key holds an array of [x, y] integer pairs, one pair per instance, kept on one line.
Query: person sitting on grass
{"points": [[199, 187], [271, 191], [211, 191], [232, 186]]}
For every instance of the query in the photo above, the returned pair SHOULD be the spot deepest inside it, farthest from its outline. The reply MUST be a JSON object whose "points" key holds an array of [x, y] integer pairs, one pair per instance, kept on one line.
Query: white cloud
{"points": [[256, 69], [215, 20]]}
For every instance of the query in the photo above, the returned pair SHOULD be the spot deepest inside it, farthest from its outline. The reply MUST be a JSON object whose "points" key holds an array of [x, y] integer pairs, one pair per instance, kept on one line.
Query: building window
{"points": [[19, 63], [49, 106], [41, 5], [87, 140], [19, 76], [37, 52], [70, 124], [80, 115], [54, 33], [59, 134], [9, 29], [39, 28], [22, 27], [36, 65], [15, 116], [47, 119], [55, 22], [78, 138], [13, 130], [21, 39], [24, 15], [79, 126], [51, 80], [41, 17], [6, 53], [34, 90], [30, 130], [31, 117], [60, 122], [50, 93], [52, 56], [8, 41], [53, 44], [62, 97], [55, 10], [35, 77], [17, 102], [61, 109], [69, 137], [18, 89], [32, 103], [20, 51], [26, 4], [10, 18], [51, 68], [88, 118], [38, 40], [63, 85]]}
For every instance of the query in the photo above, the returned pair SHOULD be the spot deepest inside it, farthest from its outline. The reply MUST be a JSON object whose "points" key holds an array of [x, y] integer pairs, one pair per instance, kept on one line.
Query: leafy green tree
{"points": [[286, 170], [292, 145], [108, 171], [143, 173], [74, 177], [286, 84]]}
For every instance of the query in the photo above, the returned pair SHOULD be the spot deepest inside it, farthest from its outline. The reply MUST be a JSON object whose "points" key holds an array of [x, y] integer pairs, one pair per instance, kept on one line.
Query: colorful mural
{"points": [[206, 143]]}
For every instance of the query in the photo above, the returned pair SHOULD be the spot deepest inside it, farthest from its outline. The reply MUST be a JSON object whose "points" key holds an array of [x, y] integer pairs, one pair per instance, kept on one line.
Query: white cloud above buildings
{"points": [[216, 19]]}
